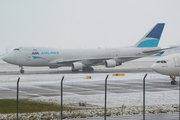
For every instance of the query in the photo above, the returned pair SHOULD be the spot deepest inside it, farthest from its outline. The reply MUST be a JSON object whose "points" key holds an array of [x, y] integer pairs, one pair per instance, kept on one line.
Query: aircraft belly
{"points": [[169, 71], [175, 71]]}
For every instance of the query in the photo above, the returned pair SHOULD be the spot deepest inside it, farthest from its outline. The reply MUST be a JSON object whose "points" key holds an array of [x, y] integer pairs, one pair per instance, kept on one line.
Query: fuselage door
{"points": [[176, 62], [29, 58]]}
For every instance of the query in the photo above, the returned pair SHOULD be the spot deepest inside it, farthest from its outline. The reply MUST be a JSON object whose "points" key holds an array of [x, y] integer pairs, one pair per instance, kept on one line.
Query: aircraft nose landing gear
{"points": [[173, 82], [21, 71]]}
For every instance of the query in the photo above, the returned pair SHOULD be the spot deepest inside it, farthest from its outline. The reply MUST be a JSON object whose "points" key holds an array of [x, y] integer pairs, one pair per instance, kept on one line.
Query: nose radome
{"points": [[4, 58], [8, 58], [154, 67]]}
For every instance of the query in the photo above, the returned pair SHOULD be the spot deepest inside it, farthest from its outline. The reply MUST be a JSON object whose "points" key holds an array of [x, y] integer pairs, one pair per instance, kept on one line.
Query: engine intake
{"points": [[77, 66], [110, 63]]}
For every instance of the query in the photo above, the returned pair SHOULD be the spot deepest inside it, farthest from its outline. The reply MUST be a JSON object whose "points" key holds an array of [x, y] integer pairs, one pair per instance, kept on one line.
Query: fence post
{"points": [[105, 96], [144, 97], [62, 96], [17, 95], [179, 98]]}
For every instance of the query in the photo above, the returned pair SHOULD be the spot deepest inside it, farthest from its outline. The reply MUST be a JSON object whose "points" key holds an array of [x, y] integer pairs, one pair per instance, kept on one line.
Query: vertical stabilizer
{"points": [[151, 39]]}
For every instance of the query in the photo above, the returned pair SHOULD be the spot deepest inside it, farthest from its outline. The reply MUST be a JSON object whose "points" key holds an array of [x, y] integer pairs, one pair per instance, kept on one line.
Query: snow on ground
{"points": [[127, 99], [117, 103]]}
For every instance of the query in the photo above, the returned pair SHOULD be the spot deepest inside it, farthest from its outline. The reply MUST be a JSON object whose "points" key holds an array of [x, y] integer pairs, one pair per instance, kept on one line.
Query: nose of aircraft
{"points": [[4, 58], [8, 58], [155, 67]]}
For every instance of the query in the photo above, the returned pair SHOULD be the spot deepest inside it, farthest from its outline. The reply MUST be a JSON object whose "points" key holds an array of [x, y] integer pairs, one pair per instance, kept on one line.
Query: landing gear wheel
{"points": [[75, 70], [22, 71], [87, 69], [173, 83]]}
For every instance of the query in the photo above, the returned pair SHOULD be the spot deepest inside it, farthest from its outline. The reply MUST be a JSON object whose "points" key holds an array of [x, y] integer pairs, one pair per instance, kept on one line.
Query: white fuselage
{"points": [[168, 65], [41, 56]]}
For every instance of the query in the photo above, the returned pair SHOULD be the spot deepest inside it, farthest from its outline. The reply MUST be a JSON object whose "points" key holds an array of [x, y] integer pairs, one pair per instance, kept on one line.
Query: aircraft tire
{"points": [[173, 83], [87, 69], [22, 71], [75, 70]]}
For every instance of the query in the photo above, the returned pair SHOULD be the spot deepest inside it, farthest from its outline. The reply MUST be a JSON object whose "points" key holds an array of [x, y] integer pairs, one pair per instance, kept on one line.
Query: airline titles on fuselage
{"points": [[45, 53]]}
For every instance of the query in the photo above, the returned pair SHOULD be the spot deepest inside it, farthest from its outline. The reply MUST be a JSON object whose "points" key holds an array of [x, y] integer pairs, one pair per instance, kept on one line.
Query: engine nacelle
{"points": [[77, 66], [110, 63]]}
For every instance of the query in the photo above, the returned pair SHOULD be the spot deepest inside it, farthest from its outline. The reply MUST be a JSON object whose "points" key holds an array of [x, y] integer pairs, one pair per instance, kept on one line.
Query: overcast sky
{"points": [[86, 23]]}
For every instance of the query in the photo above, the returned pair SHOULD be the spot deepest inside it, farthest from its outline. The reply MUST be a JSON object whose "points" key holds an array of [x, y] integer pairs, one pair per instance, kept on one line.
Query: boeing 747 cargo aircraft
{"points": [[84, 59]]}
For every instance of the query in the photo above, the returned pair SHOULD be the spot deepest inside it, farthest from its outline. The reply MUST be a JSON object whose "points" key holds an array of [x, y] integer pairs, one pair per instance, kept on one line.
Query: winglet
{"points": [[151, 38]]}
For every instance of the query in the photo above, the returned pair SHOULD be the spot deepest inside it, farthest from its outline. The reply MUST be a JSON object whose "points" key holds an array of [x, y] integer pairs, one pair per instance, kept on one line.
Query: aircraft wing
{"points": [[100, 61], [95, 61], [86, 61], [125, 58], [157, 50]]}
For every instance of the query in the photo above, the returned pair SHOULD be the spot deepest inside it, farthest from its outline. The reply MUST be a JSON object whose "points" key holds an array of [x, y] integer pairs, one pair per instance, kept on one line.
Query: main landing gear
{"points": [[87, 69], [21, 71], [173, 82], [74, 70]]}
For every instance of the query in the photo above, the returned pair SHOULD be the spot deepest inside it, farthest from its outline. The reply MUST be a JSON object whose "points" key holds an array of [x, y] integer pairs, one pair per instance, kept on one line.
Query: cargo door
{"points": [[176, 62]]}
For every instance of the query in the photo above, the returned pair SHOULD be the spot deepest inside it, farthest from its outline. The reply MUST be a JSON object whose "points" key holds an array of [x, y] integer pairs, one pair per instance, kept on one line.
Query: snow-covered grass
{"points": [[121, 104], [117, 100], [97, 112]]}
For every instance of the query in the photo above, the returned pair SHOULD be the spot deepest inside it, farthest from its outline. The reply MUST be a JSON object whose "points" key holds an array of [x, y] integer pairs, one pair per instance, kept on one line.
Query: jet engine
{"points": [[110, 63], [77, 66]]}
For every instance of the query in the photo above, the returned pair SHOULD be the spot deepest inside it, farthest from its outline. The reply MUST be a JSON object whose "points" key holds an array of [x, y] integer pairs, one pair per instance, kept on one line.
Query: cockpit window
{"points": [[158, 61], [16, 49], [162, 61]]}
